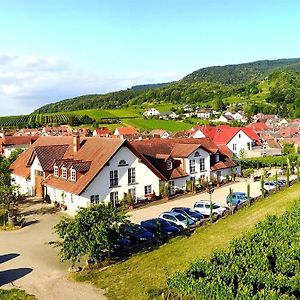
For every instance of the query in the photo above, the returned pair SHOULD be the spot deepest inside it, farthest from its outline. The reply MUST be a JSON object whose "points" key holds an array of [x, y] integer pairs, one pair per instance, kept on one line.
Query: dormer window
{"points": [[169, 164], [56, 171], [64, 173], [73, 175], [122, 163], [197, 154], [217, 157]]}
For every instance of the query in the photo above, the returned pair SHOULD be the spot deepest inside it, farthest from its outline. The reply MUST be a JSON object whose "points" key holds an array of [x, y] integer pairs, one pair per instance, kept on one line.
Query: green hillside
{"points": [[200, 87], [242, 73]]}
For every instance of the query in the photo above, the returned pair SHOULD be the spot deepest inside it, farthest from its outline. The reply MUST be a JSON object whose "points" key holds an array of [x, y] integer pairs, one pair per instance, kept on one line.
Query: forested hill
{"points": [[200, 87], [242, 73]]}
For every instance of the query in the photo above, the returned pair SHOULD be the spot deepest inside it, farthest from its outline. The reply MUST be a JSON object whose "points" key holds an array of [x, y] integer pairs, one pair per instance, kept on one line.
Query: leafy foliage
{"points": [[92, 231], [264, 264]]}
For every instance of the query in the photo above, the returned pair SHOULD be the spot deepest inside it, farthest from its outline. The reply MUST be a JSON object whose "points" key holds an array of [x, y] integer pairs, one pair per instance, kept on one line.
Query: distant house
{"points": [[204, 113], [288, 132], [150, 112], [258, 127], [49, 130], [8, 144], [101, 132], [161, 133], [27, 131], [224, 119], [238, 139], [122, 132]]}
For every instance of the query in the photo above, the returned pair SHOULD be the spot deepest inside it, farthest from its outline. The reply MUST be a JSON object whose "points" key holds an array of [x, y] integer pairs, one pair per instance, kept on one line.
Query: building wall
{"points": [[199, 134], [197, 174], [7, 150], [24, 185], [35, 166], [240, 140], [144, 176]]}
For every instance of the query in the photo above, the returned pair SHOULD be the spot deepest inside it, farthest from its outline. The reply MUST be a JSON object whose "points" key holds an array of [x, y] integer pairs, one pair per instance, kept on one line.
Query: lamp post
{"points": [[210, 191]]}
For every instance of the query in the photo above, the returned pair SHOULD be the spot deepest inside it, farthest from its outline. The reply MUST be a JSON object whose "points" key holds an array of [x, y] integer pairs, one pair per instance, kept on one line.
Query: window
{"points": [[56, 171], [95, 199], [148, 189], [114, 198], [122, 163], [132, 192], [197, 154], [114, 178], [217, 157], [169, 164], [202, 164], [249, 146], [192, 166], [172, 187], [234, 147], [239, 135], [131, 175], [64, 173], [39, 173], [73, 175]]}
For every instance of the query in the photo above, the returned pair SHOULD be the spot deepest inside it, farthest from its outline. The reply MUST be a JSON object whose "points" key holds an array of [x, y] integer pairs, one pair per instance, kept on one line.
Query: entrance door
{"points": [[39, 190]]}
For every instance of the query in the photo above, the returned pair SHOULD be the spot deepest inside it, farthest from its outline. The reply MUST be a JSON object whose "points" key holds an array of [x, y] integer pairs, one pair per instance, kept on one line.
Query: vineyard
{"points": [[264, 264], [33, 120]]}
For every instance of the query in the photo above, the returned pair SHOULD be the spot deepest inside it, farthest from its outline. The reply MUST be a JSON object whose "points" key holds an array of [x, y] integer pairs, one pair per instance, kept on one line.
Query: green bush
{"points": [[248, 172]]}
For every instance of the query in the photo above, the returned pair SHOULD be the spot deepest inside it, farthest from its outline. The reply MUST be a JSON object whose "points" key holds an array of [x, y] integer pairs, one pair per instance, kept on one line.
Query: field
{"points": [[146, 272], [15, 294], [150, 124]]}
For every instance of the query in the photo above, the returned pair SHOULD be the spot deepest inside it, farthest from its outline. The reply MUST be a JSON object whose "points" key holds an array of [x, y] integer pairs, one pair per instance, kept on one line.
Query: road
{"points": [[218, 196], [28, 262]]}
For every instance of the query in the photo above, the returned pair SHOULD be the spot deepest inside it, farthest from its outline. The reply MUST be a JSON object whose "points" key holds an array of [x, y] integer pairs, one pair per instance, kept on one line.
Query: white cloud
{"points": [[28, 82]]}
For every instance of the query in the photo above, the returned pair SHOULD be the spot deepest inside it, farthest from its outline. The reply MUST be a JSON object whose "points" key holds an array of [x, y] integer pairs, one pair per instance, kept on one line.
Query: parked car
{"points": [[161, 227], [191, 213], [269, 186], [182, 221], [122, 244], [136, 233], [237, 198], [204, 208], [281, 182]]}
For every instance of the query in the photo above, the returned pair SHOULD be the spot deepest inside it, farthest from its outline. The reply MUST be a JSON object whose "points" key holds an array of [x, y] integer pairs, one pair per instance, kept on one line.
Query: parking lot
{"points": [[219, 196]]}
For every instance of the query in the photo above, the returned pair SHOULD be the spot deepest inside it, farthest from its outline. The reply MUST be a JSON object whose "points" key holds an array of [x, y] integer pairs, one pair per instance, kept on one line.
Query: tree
{"points": [[93, 231], [218, 104], [230, 199], [248, 194]]}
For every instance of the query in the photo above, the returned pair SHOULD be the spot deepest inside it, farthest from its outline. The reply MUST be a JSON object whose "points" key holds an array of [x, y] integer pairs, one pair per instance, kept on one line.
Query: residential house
{"points": [[124, 132], [150, 112], [9, 143], [79, 172], [160, 133], [205, 113], [238, 139], [101, 132]]}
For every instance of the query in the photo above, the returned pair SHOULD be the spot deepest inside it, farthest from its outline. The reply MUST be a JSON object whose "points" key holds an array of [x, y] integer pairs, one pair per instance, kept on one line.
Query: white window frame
{"points": [[94, 199], [131, 176], [202, 164], [64, 173], [56, 171], [114, 197], [192, 166], [148, 189], [169, 164], [234, 147], [113, 178], [73, 175], [132, 192]]}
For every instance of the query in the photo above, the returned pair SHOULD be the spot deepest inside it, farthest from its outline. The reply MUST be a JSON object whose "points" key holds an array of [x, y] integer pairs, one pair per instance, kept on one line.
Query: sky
{"points": [[52, 50]]}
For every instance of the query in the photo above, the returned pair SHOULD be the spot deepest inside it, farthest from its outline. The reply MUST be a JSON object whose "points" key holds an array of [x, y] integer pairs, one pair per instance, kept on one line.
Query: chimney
{"points": [[76, 142]]}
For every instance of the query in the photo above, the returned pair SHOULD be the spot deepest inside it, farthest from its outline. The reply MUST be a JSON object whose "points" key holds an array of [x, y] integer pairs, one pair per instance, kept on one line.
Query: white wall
{"points": [[7, 150], [240, 139], [198, 134], [197, 174], [24, 185], [35, 166], [144, 176]]}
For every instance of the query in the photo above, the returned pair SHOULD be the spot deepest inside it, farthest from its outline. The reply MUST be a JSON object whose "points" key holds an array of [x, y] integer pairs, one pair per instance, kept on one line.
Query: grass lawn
{"points": [[15, 294], [133, 278], [150, 124]]}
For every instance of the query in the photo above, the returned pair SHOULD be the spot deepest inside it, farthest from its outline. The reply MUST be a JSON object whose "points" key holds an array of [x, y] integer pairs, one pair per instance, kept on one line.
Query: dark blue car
{"points": [[160, 227], [136, 233], [191, 213]]}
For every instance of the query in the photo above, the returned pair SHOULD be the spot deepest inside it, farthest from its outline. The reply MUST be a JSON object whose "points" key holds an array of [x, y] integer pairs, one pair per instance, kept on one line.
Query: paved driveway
{"points": [[218, 196], [28, 262]]}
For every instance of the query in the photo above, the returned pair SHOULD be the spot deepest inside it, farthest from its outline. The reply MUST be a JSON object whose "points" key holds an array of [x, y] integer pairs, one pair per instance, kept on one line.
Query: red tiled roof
{"points": [[9, 140], [223, 165], [258, 126], [102, 131], [126, 130]]}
